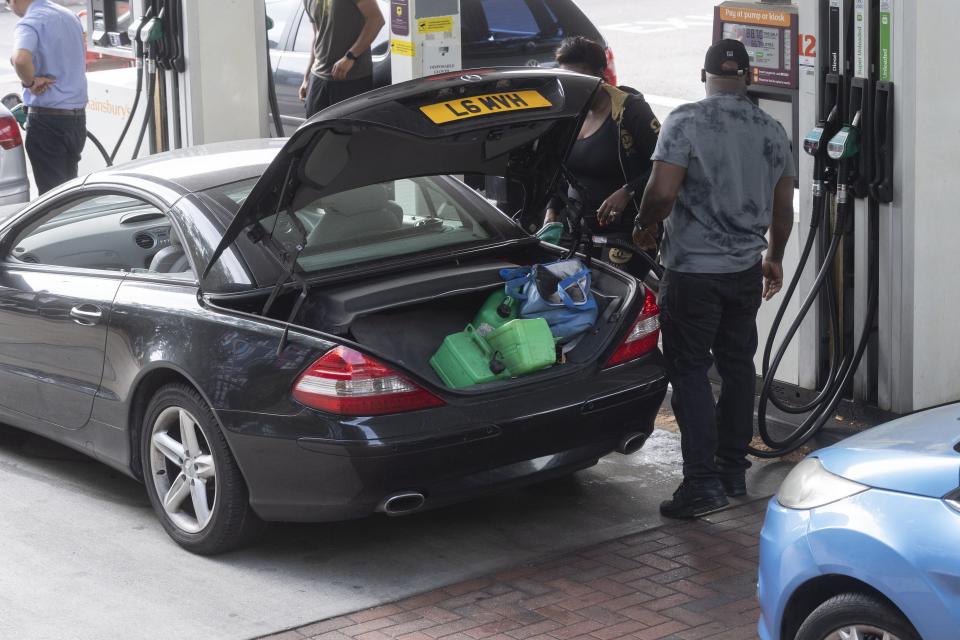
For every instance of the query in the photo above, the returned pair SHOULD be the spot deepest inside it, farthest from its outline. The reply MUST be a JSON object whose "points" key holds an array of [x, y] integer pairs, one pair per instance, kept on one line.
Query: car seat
{"points": [[170, 259], [356, 213]]}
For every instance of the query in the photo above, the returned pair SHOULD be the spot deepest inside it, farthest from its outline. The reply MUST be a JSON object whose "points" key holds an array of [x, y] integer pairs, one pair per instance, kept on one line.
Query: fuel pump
{"points": [[844, 172], [425, 38], [108, 23]]}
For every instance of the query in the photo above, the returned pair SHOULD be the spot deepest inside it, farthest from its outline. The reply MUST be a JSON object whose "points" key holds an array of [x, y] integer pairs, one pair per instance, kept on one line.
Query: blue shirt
{"points": [[734, 153], [54, 36]]}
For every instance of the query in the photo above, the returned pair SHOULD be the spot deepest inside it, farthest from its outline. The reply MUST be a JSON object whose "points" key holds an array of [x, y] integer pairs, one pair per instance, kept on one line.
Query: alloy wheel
{"points": [[183, 469], [861, 632]]}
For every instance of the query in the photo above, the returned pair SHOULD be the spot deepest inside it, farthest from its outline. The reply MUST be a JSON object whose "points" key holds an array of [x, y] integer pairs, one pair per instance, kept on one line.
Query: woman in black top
{"points": [[610, 161]]}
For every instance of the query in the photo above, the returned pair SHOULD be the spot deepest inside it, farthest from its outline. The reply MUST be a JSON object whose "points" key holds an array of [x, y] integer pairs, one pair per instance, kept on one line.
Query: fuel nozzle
{"points": [[846, 144], [135, 34], [813, 143], [19, 113]]}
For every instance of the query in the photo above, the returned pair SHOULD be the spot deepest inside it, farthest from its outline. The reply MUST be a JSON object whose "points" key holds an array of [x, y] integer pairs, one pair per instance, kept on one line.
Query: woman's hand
{"points": [[612, 208]]}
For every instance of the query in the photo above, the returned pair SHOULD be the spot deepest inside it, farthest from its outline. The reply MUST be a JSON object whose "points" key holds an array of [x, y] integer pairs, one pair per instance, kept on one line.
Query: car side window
{"points": [[509, 19], [504, 20], [279, 11], [304, 40], [381, 43], [107, 232]]}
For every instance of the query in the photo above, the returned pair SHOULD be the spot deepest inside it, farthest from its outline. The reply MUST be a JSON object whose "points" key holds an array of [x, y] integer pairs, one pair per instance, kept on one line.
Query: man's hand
{"points": [[342, 68], [646, 239], [772, 278], [551, 216], [40, 85], [612, 208], [303, 89]]}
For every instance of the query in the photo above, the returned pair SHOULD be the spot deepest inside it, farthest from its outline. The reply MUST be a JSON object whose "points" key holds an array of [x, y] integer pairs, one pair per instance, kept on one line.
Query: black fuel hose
{"points": [[133, 113], [842, 368], [272, 95], [96, 142], [830, 295], [148, 113]]}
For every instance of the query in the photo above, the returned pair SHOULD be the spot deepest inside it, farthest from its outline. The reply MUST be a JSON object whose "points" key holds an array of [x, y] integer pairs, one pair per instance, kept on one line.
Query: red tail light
{"points": [[348, 383], [643, 335], [610, 75], [9, 133]]}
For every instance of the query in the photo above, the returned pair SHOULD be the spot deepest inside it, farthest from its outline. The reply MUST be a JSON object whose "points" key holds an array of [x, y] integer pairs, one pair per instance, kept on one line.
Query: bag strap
{"points": [[517, 279], [589, 302], [513, 273], [515, 288]]}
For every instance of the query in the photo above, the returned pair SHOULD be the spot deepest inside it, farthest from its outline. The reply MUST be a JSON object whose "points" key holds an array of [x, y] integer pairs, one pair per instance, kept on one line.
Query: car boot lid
{"points": [[917, 454], [517, 123]]}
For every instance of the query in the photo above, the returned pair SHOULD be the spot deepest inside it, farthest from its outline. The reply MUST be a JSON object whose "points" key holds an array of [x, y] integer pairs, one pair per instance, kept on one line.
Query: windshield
{"points": [[377, 222]]}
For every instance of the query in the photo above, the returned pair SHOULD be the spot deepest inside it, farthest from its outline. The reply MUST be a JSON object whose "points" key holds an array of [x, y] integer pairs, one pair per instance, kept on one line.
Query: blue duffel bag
{"points": [[558, 292]]}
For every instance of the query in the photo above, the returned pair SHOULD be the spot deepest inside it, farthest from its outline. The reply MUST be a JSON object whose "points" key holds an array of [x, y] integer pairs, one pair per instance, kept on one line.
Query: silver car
{"points": [[14, 183]]}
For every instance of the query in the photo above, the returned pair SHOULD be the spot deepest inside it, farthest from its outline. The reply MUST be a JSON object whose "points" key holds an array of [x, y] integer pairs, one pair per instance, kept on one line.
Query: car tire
{"points": [[207, 503], [863, 612]]}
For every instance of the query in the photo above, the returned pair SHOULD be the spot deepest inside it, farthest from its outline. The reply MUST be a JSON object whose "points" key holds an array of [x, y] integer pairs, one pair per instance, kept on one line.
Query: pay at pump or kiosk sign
{"points": [[770, 36]]}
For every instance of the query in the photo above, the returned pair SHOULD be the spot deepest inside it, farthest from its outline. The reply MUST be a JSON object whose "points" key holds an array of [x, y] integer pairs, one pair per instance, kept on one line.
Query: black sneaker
{"points": [[734, 484], [694, 498]]}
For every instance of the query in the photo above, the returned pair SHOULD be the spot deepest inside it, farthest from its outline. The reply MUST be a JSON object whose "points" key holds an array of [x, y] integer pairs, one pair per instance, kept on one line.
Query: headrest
{"points": [[349, 203]]}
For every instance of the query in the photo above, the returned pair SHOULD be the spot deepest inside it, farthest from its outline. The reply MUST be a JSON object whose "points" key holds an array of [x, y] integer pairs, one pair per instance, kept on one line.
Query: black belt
{"points": [[47, 111]]}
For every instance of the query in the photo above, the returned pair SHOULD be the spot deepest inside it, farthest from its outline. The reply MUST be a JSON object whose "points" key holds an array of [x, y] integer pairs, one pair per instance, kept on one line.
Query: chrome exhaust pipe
{"points": [[632, 443], [403, 503]]}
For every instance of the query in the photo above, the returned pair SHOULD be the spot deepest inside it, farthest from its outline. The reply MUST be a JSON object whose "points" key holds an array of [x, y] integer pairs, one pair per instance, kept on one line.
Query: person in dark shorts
{"points": [[610, 161], [723, 177], [341, 65], [48, 57]]}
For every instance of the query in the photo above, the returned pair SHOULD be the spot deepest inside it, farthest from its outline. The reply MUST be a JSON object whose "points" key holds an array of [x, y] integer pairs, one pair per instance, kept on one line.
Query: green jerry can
{"points": [[524, 345], [551, 232], [498, 310], [465, 359]]}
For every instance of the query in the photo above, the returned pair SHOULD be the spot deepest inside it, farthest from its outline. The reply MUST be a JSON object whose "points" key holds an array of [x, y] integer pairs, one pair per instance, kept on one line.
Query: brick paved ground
{"points": [[690, 580]]}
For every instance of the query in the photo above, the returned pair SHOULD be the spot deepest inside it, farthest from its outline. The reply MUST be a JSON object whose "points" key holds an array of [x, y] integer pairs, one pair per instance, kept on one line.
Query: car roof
{"points": [[197, 168]]}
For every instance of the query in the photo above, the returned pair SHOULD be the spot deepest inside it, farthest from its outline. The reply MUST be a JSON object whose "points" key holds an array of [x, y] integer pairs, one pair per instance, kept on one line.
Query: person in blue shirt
{"points": [[49, 58]]}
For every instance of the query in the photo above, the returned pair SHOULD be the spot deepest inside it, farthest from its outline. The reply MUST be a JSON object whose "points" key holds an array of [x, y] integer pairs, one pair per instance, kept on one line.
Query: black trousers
{"points": [[54, 144], [322, 92], [709, 318]]}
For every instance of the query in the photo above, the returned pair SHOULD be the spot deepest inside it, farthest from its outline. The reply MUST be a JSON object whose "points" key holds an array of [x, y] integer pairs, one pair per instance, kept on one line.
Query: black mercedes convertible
{"points": [[247, 327]]}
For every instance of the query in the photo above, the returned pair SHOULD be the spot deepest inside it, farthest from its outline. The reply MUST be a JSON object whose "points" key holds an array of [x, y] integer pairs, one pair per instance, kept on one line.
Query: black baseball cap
{"points": [[727, 51]]}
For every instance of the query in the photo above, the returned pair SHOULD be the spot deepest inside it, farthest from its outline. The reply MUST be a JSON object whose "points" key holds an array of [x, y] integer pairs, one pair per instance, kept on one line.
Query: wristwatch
{"points": [[349, 55], [29, 86]]}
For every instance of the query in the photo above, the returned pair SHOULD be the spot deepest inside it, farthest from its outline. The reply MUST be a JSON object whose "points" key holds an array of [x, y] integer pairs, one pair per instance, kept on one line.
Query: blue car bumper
{"points": [[904, 546]]}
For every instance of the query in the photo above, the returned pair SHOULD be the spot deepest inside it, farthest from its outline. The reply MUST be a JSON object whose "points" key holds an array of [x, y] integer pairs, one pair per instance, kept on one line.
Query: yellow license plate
{"points": [[488, 104]]}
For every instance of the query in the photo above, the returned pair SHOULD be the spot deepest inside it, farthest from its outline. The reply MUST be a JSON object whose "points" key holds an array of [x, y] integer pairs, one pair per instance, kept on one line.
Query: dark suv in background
{"points": [[496, 33]]}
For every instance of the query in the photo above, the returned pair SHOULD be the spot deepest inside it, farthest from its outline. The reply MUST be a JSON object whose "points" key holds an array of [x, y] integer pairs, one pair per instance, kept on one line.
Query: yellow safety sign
{"points": [[402, 48], [435, 25]]}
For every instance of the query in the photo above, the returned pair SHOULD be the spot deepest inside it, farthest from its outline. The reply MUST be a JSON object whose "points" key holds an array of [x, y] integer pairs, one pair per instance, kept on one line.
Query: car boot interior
{"points": [[404, 317]]}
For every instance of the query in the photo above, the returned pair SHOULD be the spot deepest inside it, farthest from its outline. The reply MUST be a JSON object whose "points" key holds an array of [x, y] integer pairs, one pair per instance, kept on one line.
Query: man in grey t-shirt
{"points": [[341, 65], [722, 177]]}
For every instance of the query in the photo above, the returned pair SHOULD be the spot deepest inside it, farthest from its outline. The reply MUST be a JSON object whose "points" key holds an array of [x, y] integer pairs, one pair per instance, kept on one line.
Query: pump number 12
{"points": [[807, 47]]}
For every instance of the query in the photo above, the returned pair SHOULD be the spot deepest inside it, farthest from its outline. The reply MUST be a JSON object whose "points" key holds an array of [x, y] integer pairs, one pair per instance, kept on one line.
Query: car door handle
{"points": [[86, 314]]}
